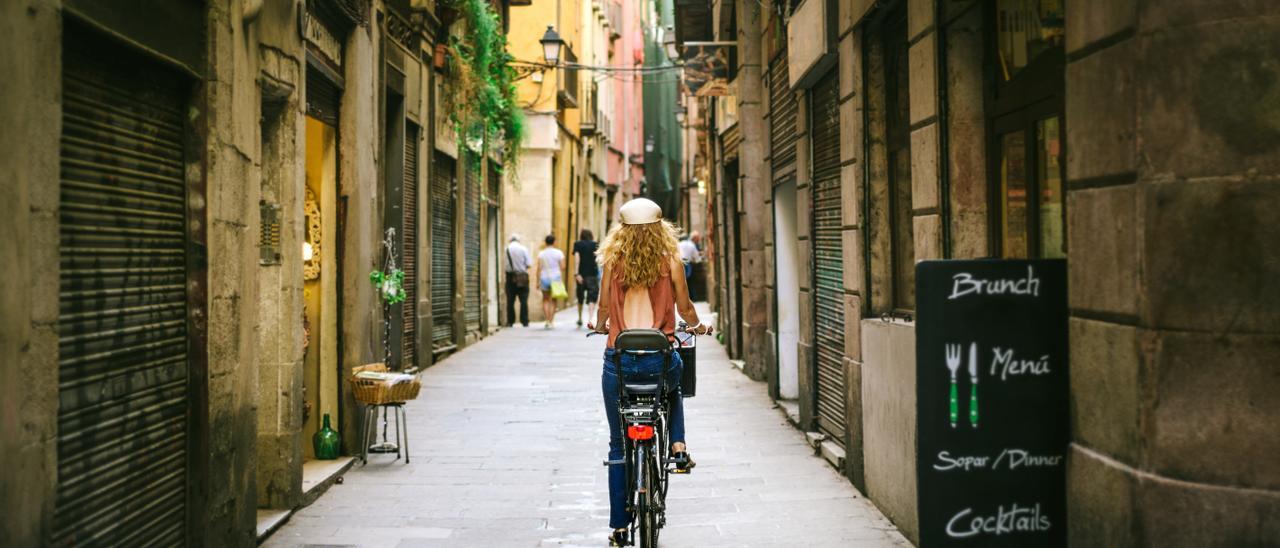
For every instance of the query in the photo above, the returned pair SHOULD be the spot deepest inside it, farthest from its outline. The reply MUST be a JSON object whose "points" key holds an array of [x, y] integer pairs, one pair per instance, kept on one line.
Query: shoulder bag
{"points": [[518, 278]]}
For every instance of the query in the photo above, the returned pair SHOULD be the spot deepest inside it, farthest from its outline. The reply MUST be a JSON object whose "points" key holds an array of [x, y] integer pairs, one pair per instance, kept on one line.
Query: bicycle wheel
{"points": [[648, 518], [662, 475]]}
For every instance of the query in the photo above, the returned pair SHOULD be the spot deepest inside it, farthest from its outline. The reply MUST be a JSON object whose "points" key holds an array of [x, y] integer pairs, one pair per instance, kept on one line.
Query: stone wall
{"points": [[1172, 146], [229, 116], [246, 133], [756, 190], [282, 157], [31, 113], [849, 63], [1172, 178], [889, 421], [358, 184], [527, 200]]}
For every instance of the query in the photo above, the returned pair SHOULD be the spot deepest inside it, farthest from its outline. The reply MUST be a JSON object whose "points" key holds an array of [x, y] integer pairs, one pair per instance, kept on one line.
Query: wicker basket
{"points": [[376, 392]]}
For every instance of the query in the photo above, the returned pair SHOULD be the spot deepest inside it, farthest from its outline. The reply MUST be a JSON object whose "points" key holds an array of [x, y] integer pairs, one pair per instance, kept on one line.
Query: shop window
{"points": [[1026, 30], [1025, 119]]}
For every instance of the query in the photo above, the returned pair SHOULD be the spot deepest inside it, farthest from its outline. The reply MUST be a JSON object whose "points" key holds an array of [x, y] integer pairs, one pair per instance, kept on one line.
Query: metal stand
{"points": [[371, 431]]}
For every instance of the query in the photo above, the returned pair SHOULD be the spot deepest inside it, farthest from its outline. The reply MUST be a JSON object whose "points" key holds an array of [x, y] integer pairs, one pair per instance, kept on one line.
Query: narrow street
{"points": [[507, 438]]}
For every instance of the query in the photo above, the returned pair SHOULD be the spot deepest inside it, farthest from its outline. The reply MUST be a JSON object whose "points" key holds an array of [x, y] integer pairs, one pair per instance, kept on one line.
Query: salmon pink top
{"points": [[661, 296]]}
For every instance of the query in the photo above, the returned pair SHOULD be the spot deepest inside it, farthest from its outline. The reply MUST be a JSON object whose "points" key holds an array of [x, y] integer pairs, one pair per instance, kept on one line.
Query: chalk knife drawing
{"points": [[973, 387]]}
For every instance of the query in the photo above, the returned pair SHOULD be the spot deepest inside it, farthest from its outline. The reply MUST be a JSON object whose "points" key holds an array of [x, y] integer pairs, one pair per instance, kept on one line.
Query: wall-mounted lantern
{"points": [[551, 45]]}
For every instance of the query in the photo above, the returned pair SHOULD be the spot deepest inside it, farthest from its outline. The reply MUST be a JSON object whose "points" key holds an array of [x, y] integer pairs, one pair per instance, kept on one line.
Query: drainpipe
{"points": [[944, 171]]}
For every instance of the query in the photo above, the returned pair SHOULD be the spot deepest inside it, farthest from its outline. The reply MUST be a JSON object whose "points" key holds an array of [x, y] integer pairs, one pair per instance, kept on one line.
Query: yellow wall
{"points": [[528, 23]]}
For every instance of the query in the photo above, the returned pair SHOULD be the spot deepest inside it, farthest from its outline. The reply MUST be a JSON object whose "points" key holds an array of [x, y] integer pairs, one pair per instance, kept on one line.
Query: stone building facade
{"points": [[199, 193], [1140, 130]]}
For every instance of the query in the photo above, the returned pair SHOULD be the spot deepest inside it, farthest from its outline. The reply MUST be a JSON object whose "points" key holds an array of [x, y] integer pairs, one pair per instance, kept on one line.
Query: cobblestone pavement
{"points": [[508, 436]]}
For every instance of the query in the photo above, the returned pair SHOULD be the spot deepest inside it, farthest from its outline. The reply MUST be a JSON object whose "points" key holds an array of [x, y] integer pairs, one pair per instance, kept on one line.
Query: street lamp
{"points": [[551, 44], [669, 43]]}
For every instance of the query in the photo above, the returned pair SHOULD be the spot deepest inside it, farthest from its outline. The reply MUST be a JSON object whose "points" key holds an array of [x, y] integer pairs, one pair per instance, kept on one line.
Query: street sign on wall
{"points": [[992, 402]]}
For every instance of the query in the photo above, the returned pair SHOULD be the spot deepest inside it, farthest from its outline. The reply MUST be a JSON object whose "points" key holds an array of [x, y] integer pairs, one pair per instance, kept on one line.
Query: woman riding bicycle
{"points": [[642, 286]]}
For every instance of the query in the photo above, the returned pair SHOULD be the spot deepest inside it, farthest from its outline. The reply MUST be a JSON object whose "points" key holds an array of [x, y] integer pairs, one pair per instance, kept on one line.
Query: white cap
{"points": [[640, 211]]}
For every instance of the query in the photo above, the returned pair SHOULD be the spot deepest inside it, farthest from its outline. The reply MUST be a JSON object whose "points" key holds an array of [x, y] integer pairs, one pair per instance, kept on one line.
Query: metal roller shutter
{"points": [[733, 276], [442, 252], [828, 262], [323, 98], [471, 239], [782, 120], [122, 316], [410, 252]]}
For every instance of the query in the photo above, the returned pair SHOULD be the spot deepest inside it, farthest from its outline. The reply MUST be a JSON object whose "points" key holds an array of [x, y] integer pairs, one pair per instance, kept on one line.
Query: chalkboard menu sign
{"points": [[992, 431]]}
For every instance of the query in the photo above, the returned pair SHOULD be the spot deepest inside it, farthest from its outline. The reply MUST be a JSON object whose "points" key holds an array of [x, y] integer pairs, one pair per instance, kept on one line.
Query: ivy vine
{"points": [[484, 105]]}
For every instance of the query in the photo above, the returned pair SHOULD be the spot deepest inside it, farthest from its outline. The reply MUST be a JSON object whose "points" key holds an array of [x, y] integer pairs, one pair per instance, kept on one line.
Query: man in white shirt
{"points": [[689, 254], [516, 265]]}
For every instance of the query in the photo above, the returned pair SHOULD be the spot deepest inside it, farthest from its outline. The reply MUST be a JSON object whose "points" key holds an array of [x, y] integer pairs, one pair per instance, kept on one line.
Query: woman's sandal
{"points": [[686, 466], [619, 538]]}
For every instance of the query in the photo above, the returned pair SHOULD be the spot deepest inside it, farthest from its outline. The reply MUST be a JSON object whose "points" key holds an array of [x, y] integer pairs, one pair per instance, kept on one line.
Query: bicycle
{"points": [[645, 434]]}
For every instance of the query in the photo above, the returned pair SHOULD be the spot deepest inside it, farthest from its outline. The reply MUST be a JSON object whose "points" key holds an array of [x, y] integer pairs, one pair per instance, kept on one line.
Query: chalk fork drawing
{"points": [[953, 364], [973, 387]]}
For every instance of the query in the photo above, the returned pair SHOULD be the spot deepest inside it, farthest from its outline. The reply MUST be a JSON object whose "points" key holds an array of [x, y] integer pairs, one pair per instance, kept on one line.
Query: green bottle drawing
{"points": [[326, 442]]}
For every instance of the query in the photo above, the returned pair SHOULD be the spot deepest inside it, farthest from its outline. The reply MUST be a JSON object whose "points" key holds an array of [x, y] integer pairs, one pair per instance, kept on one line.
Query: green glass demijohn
{"points": [[326, 441]]}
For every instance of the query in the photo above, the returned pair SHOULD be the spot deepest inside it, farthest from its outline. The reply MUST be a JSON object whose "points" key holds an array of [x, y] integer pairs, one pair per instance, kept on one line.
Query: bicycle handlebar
{"points": [[681, 327]]}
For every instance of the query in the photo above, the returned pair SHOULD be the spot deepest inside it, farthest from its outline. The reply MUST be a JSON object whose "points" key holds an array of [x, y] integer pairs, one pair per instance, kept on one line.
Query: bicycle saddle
{"points": [[649, 340]]}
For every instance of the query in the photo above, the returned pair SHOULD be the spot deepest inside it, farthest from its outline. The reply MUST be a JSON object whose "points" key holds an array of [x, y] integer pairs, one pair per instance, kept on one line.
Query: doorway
{"points": [[320, 280], [493, 248], [787, 279]]}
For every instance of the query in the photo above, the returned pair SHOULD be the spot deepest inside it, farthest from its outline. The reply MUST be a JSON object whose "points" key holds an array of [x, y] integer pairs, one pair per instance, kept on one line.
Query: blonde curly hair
{"points": [[642, 251]]}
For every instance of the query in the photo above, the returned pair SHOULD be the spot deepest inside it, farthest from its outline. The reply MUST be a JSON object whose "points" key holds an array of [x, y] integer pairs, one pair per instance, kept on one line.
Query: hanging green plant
{"points": [[484, 105], [389, 284]]}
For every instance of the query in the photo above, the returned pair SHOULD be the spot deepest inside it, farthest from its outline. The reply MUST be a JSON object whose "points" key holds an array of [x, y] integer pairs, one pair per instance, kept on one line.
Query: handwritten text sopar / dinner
{"points": [[1010, 459]]}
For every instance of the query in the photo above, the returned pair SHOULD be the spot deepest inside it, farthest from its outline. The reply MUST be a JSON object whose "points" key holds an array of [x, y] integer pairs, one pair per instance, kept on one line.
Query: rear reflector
{"points": [[640, 432]]}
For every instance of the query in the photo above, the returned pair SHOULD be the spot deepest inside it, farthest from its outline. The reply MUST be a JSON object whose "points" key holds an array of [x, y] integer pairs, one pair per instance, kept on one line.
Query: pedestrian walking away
{"points": [[517, 266], [643, 284], [588, 276], [550, 279], [689, 254]]}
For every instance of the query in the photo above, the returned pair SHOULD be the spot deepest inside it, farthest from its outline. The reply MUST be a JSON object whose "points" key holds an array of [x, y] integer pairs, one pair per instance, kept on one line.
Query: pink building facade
{"points": [[626, 147]]}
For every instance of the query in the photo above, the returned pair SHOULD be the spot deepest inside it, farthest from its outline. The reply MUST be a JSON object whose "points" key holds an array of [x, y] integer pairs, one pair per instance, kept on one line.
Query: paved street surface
{"points": [[508, 436]]}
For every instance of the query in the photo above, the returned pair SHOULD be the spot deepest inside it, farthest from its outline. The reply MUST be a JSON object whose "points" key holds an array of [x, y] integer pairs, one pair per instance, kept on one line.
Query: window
{"points": [[898, 131], [1025, 108], [890, 216]]}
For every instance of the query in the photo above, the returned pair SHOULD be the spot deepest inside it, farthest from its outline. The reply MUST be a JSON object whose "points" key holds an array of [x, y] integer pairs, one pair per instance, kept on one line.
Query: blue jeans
{"points": [[636, 369]]}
